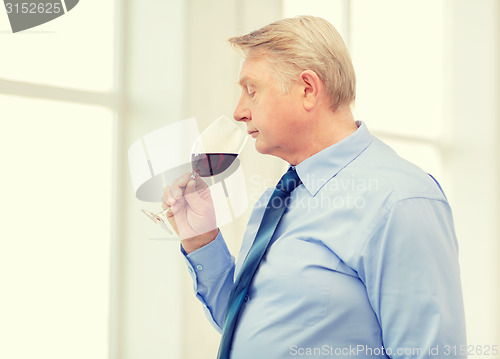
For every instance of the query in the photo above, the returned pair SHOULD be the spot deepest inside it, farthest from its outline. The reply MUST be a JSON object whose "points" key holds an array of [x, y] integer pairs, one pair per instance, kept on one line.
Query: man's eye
{"points": [[250, 93]]}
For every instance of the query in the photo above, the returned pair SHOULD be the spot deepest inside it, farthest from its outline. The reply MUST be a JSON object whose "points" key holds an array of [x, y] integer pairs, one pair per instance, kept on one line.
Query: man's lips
{"points": [[253, 133]]}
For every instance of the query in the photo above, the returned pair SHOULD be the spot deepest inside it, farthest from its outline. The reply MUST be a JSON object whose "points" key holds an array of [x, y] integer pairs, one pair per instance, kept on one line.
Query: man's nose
{"points": [[242, 112]]}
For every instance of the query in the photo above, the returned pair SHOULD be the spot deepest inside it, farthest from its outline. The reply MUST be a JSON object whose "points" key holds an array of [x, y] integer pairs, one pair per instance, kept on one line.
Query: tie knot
{"points": [[289, 181]]}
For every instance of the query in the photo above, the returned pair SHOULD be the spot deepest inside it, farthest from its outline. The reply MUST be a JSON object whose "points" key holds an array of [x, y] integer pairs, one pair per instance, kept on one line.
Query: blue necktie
{"points": [[274, 211]]}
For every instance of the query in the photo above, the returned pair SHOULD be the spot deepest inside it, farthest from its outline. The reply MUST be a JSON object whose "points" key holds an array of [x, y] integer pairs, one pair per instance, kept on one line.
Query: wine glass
{"points": [[215, 150], [213, 154]]}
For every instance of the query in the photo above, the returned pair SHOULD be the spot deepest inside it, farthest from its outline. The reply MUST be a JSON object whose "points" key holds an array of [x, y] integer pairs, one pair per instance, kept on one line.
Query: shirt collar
{"points": [[317, 170]]}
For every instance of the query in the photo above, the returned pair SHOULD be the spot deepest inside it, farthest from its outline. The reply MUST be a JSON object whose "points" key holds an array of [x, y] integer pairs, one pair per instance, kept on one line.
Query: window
{"points": [[396, 70], [57, 124]]}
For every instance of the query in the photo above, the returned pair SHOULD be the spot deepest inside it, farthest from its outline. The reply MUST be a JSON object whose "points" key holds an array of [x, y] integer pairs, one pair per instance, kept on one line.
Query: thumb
{"points": [[192, 197]]}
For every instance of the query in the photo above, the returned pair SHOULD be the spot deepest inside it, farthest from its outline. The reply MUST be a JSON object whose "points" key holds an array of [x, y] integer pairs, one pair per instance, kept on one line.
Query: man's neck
{"points": [[324, 131]]}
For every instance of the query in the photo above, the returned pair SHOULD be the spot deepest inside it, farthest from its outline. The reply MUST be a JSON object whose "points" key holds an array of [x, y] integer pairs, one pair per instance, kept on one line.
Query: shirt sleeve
{"points": [[410, 269], [212, 270]]}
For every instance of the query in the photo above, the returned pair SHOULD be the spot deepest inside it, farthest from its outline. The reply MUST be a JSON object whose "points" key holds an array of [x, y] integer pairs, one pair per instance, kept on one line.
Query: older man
{"points": [[353, 254]]}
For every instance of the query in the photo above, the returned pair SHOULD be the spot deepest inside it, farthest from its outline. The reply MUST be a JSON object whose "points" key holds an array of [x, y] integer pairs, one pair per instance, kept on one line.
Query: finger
{"points": [[164, 204], [179, 184], [169, 213], [200, 184], [168, 195], [192, 195]]}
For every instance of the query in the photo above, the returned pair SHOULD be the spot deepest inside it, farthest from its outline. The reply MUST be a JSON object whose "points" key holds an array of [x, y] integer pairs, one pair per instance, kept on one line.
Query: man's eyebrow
{"points": [[243, 81]]}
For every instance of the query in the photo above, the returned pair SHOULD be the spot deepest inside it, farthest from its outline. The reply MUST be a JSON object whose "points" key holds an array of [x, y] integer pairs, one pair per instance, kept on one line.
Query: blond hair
{"points": [[304, 43]]}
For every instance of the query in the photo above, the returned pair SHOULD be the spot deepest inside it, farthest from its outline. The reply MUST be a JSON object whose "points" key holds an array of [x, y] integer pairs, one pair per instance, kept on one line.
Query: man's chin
{"points": [[261, 147]]}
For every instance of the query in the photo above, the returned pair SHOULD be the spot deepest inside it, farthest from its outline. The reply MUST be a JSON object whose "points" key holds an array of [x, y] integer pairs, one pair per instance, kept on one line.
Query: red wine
{"points": [[212, 164]]}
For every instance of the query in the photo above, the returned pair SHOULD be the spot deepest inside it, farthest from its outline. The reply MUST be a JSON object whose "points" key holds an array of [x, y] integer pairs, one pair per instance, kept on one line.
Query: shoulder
{"points": [[369, 190], [392, 176]]}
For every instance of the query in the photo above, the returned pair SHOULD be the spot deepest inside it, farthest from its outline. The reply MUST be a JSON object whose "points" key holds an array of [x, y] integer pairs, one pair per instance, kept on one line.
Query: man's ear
{"points": [[311, 85]]}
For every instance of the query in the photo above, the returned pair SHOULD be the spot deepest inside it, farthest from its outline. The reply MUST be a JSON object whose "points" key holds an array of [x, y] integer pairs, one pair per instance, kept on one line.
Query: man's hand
{"points": [[192, 213]]}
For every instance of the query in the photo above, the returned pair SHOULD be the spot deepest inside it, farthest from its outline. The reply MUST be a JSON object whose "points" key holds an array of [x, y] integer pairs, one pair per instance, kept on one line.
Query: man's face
{"points": [[270, 116]]}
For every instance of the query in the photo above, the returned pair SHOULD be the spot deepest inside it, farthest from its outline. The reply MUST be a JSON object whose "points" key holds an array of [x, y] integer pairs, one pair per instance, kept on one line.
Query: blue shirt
{"points": [[363, 264]]}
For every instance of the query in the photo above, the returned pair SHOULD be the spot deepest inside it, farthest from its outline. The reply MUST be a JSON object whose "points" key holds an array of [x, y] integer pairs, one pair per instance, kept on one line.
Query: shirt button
{"points": [[199, 267], [246, 298]]}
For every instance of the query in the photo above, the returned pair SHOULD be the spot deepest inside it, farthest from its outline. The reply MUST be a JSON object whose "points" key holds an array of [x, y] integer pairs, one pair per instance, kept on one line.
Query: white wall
{"points": [[56, 127], [147, 296], [473, 121]]}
